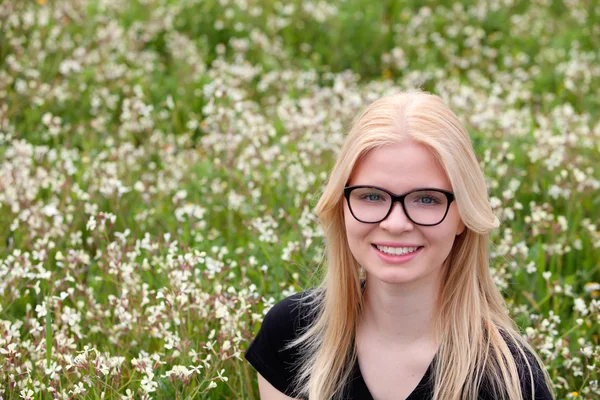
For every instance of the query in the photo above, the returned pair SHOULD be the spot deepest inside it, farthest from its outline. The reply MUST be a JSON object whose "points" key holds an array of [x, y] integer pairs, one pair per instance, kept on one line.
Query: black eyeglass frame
{"points": [[400, 198]]}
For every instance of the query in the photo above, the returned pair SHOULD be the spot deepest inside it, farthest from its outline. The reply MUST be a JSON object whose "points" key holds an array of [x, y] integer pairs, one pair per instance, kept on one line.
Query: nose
{"points": [[397, 220]]}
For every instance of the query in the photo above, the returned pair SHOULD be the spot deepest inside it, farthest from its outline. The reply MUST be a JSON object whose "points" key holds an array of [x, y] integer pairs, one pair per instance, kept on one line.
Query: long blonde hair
{"points": [[472, 325]]}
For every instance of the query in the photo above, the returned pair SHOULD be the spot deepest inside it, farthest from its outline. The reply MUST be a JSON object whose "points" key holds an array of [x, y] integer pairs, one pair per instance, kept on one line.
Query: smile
{"points": [[396, 251]]}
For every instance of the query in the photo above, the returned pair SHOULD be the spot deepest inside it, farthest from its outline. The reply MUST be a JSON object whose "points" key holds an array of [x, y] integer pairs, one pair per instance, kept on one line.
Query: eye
{"points": [[371, 197], [427, 200]]}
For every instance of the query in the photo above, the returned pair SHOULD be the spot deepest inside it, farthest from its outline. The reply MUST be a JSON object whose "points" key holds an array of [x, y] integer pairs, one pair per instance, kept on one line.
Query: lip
{"points": [[396, 244], [399, 259]]}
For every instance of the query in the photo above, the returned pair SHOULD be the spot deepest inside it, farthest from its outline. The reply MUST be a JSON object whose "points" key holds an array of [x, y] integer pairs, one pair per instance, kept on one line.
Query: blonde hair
{"points": [[472, 324]]}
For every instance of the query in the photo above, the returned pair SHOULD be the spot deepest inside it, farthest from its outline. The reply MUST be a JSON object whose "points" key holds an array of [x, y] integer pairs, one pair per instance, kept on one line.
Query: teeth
{"points": [[397, 251]]}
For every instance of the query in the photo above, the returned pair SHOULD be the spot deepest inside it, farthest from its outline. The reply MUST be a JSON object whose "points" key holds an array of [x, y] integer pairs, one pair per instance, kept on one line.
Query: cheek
{"points": [[443, 237], [355, 231], [445, 241], [350, 226]]}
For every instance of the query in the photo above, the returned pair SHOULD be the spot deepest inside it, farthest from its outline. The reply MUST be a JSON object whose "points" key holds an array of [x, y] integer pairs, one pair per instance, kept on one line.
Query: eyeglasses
{"points": [[372, 204]]}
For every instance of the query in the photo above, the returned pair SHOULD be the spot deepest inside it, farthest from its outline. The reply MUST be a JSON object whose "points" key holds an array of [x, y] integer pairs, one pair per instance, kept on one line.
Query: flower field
{"points": [[160, 161]]}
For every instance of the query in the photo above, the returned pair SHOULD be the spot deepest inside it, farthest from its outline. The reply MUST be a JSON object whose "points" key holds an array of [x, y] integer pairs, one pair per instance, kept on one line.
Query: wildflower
{"points": [[587, 351], [102, 367], [170, 102], [196, 369], [531, 267], [147, 384], [178, 371], [91, 224], [221, 377], [107, 217], [591, 287], [10, 350], [26, 394], [40, 310], [580, 307], [53, 370], [78, 389], [547, 275]]}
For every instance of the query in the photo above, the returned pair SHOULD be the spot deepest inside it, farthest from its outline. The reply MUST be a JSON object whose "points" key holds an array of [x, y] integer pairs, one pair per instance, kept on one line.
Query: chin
{"points": [[394, 277]]}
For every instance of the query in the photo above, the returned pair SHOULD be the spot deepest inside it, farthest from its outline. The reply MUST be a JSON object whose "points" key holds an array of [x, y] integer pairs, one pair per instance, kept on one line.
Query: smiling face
{"points": [[396, 250]]}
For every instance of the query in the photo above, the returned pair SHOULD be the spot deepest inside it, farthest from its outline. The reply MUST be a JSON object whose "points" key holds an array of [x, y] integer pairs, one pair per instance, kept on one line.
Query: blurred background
{"points": [[160, 161]]}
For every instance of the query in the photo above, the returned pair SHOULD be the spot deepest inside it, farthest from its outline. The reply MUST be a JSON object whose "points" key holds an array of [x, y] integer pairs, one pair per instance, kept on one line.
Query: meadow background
{"points": [[160, 161]]}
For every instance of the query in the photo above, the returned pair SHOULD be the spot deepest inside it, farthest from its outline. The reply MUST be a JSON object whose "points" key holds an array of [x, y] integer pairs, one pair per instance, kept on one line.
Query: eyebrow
{"points": [[406, 191]]}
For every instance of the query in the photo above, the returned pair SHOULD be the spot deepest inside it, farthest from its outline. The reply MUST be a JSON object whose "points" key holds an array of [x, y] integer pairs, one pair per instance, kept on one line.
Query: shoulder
{"points": [[287, 319], [531, 373], [268, 353], [294, 310]]}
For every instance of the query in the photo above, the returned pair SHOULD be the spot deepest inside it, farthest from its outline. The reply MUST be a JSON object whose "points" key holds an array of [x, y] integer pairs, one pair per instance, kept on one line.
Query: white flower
{"points": [[78, 389], [91, 224], [226, 345], [53, 370], [221, 377], [212, 385], [587, 351], [170, 102], [179, 371], [26, 394], [531, 267], [147, 384], [591, 286], [50, 210], [11, 349], [195, 369], [70, 316], [40, 310], [580, 307], [107, 217], [547, 275]]}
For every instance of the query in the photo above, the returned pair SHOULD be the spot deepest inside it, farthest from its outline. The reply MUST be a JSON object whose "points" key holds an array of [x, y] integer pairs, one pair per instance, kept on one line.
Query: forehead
{"points": [[400, 168]]}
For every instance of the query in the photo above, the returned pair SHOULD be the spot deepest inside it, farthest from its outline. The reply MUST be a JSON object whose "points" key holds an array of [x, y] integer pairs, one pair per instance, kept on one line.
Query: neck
{"points": [[402, 314]]}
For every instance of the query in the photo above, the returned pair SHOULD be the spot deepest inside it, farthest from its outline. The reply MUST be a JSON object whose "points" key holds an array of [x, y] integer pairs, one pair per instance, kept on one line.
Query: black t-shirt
{"points": [[276, 364]]}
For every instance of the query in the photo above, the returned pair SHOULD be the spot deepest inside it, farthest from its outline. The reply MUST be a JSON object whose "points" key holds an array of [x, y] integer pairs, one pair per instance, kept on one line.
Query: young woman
{"points": [[408, 308]]}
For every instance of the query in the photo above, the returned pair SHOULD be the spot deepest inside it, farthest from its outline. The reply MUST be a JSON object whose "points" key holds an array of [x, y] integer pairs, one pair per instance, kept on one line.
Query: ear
{"points": [[460, 227]]}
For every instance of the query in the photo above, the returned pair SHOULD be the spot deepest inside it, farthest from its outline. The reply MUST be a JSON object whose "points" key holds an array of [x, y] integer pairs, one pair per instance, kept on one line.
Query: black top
{"points": [[287, 318]]}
